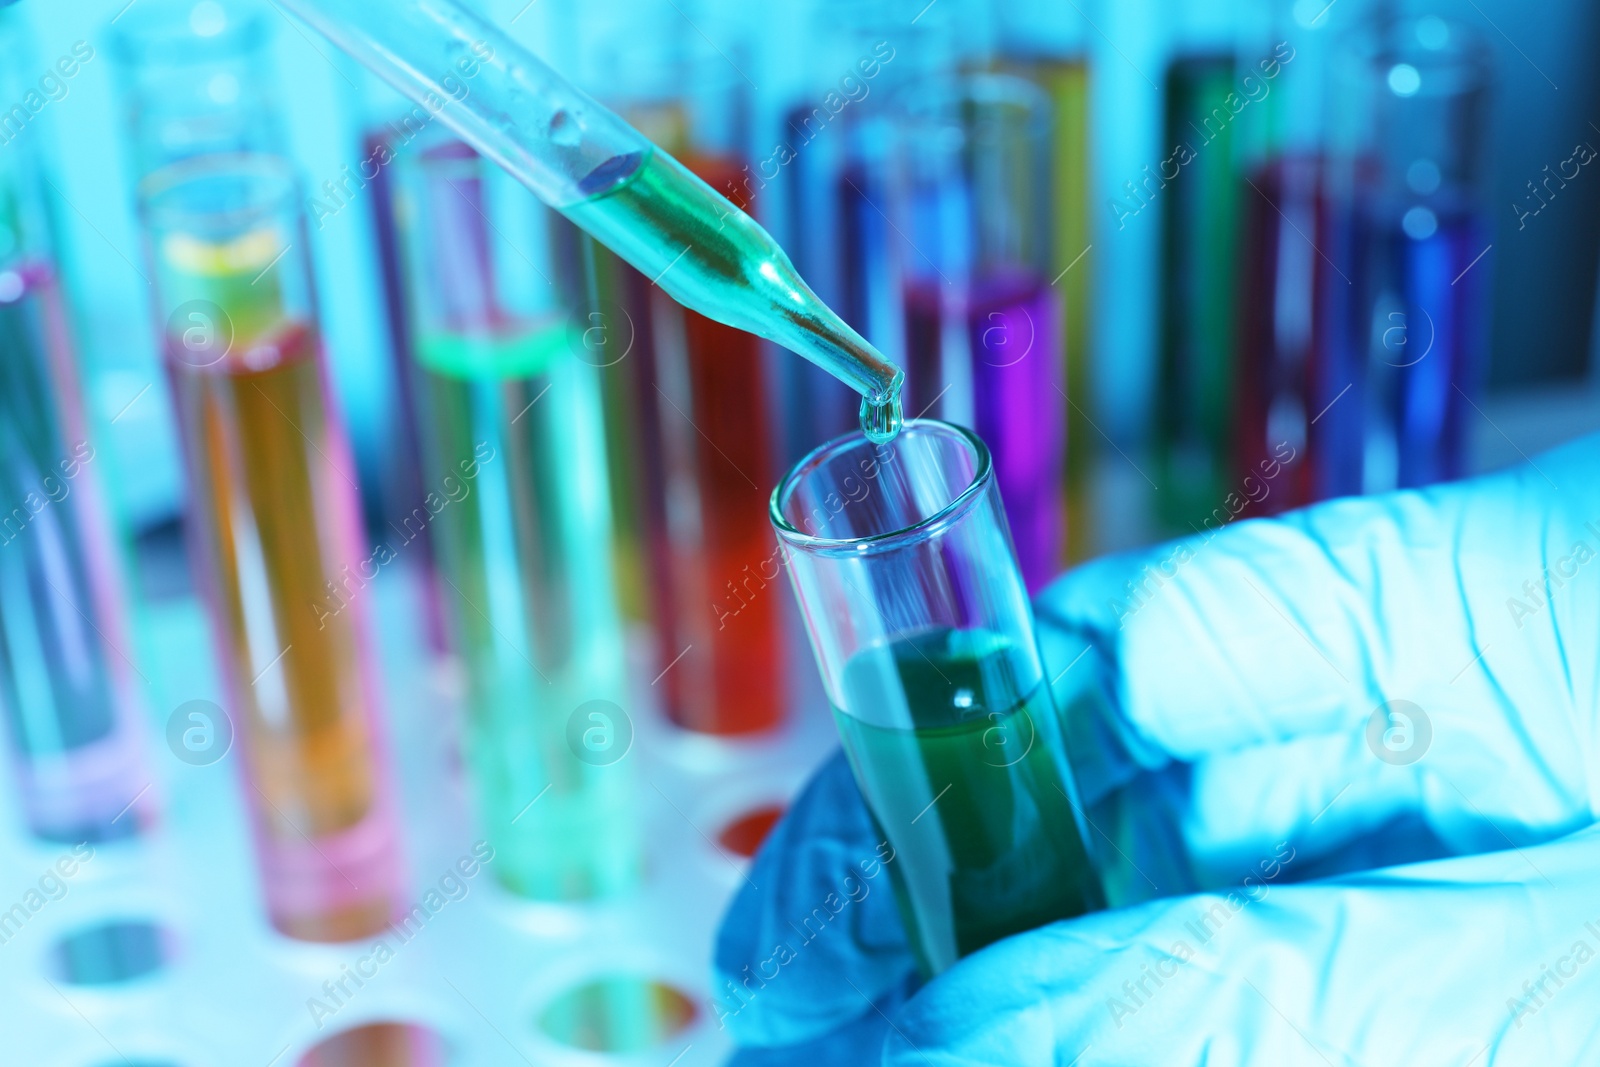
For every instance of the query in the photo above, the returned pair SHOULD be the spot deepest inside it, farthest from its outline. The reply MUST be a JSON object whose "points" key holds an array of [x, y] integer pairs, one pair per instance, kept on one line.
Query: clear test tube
{"points": [[1407, 187], [983, 323], [275, 523], [1197, 182], [922, 631], [514, 451], [1049, 45], [67, 690], [195, 79]]}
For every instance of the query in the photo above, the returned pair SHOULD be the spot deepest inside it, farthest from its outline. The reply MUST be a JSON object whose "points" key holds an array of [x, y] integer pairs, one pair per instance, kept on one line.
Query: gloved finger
{"points": [[1184, 827], [1465, 773], [1460, 961], [813, 939], [1192, 827], [1268, 629]]}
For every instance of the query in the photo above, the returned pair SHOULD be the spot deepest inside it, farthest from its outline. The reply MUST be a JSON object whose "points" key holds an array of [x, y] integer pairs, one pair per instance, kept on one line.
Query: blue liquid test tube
{"points": [[1406, 184]]}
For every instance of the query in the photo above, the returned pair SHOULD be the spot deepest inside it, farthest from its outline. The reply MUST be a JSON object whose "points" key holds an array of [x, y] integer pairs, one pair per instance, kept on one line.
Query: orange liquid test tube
{"points": [[274, 527]]}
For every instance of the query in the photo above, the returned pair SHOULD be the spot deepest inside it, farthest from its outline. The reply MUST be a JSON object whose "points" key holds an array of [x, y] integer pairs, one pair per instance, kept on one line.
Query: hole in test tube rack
{"points": [[620, 1013], [110, 953], [381, 1044], [743, 834]]}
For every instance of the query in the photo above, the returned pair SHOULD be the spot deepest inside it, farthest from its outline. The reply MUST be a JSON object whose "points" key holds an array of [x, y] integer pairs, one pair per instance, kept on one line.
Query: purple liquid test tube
{"points": [[983, 325]]}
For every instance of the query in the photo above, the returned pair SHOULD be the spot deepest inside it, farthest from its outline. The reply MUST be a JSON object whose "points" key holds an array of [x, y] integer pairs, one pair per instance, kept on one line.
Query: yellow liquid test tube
{"points": [[1065, 80]]}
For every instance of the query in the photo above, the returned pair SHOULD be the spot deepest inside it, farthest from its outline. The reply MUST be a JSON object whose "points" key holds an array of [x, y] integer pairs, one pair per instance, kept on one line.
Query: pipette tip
{"points": [[882, 416]]}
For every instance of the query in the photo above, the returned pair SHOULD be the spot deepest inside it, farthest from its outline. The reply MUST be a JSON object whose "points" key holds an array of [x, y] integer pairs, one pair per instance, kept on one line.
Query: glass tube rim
{"points": [[153, 37], [1466, 64], [952, 512], [165, 183], [442, 151], [920, 108]]}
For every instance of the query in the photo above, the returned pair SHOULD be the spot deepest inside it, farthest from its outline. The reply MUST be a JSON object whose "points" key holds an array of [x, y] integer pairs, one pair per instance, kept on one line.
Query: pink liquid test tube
{"points": [[68, 688]]}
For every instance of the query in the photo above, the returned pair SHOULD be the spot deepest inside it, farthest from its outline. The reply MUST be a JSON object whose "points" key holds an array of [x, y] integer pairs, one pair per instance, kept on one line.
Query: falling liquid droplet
{"points": [[881, 418], [564, 129]]}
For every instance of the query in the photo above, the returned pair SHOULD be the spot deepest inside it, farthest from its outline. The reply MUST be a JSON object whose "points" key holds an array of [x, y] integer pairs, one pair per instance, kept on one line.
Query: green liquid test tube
{"points": [[514, 453], [916, 610], [1195, 398]]}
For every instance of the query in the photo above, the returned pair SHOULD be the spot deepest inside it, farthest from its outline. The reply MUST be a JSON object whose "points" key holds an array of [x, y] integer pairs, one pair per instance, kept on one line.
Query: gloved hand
{"points": [[1220, 695]]}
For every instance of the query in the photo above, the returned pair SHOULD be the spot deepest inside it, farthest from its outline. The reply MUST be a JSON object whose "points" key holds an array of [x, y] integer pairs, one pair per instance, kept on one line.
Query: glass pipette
{"points": [[608, 178]]}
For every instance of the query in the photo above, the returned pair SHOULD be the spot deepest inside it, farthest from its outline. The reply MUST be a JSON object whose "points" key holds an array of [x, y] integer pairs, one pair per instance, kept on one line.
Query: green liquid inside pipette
{"points": [[711, 257]]}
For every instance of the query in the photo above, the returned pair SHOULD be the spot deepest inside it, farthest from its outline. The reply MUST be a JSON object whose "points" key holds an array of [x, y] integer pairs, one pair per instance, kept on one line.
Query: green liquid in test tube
{"points": [[605, 176], [1004, 825], [923, 634], [513, 437]]}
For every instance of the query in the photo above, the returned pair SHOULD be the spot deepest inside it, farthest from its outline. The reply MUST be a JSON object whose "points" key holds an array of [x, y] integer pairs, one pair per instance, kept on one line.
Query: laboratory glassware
{"points": [[708, 452], [276, 528], [67, 689], [1407, 184], [1048, 44], [403, 490], [195, 79], [923, 634], [983, 323], [632, 57], [830, 167], [694, 396], [514, 452], [583, 160], [1284, 256], [1198, 182]]}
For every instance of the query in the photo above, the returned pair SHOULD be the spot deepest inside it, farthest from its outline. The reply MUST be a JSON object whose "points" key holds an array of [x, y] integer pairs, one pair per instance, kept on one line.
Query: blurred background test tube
{"points": [[1408, 188], [390, 125], [1282, 258], [514, 453], [708, 455], [596, 44], [694, 395], [1197, 183], [819, 163], [195, 79], [1048, 44], [276, 536], [983, 323], [924, 638], [66, 686], [831, 165]]}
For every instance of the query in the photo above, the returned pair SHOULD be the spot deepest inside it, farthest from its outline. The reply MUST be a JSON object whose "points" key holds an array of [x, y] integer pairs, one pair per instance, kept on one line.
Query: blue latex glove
{"points": [[1222, 730]]}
